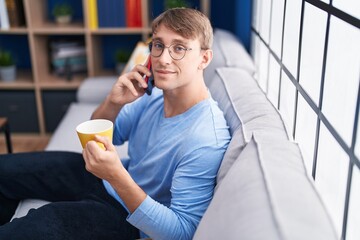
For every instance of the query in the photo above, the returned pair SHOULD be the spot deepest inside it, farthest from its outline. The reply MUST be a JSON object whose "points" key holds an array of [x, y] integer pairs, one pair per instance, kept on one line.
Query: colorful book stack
{"points": [[114, 13], [68, 57], [11, 14]]}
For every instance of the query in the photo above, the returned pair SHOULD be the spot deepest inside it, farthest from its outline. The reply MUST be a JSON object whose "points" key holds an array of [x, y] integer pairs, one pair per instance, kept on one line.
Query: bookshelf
{"points": [[30, 98]]}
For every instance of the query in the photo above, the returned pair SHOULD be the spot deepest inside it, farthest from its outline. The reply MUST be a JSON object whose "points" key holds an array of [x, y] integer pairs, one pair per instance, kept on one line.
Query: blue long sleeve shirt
{"points": [[174, 160]]}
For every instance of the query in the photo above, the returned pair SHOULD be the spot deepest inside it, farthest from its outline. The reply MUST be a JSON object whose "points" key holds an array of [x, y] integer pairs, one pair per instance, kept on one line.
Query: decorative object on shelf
{"points": [[63, 13], [121, 58], [139, 56], [7, 66], [176, 3], [68, 57]]}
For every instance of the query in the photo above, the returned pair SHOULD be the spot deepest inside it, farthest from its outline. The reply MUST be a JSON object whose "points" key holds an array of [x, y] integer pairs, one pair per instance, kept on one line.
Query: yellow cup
{"points": [[87, 130]]}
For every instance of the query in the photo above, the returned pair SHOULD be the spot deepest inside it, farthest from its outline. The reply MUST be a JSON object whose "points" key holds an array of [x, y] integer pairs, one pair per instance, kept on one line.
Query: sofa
{"points": [[263, 190]]}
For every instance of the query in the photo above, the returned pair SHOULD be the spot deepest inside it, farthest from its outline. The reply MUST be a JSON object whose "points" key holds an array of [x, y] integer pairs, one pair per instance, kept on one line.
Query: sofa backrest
{"points": [[228, 51], [263, 189], [93, 90], [247, 110], [267, 194]]}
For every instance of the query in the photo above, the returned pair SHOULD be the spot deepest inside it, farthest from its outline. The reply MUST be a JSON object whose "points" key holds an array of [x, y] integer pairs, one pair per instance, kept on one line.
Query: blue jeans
{"points": [[80, 209]]}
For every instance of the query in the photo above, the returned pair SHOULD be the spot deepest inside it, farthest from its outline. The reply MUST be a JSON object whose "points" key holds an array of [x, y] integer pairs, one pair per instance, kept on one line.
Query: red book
{"points": [[133, 13]]}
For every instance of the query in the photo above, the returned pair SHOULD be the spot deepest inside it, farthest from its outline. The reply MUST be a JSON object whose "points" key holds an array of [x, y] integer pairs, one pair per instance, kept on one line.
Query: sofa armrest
{"points": [[95, 89]]}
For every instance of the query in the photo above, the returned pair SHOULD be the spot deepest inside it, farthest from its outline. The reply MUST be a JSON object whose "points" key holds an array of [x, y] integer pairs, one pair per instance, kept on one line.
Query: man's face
{"points": [[170, 74]]}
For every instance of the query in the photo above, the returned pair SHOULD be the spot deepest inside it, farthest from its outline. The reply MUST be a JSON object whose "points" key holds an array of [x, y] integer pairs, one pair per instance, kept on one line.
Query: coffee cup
{"points": [[87, 131]]}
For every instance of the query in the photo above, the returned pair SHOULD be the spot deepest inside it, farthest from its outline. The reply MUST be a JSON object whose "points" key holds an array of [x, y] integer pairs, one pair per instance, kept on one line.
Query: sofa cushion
{"points": [[95, 89], [257, 201], [228, 51], [246, 109]]}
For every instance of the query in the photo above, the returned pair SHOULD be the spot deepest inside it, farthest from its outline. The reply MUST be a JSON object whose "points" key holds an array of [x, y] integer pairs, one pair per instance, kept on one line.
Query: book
{"points": [[66, 66], [103, 16], [69, 52], [4, 18], [68, 57], [15, 11], [70, 69], [59, 44], [76, 60], [119, 13], [93, 14], [111, 13], [133, 13]]}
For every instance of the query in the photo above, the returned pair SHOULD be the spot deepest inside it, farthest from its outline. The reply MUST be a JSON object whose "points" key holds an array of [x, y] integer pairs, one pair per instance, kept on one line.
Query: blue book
{"points": [[116, 13], [119, 12], [103, 13], [109, 12]]}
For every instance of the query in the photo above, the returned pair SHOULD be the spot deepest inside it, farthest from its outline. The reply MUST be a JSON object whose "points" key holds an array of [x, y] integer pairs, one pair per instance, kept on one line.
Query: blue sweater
{"points": [[174, 160]]}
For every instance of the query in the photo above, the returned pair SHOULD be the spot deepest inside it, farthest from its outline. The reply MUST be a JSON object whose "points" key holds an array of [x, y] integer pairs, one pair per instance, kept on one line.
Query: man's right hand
{"points": [[129, 87]]}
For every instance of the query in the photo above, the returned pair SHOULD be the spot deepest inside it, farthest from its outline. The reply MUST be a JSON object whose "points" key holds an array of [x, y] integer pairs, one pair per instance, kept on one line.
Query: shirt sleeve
{"points": [[192, 190]]}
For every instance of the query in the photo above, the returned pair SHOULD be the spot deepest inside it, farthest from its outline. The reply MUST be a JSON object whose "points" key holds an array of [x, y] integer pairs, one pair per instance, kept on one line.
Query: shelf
{"points": [[18, 84], [111, 31], [53, 28], [55, 82], [18, 30], [24, 80]]}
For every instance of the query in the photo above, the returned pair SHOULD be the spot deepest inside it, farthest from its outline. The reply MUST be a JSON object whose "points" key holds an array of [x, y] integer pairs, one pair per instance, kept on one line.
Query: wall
{"points": [[234, 16]]}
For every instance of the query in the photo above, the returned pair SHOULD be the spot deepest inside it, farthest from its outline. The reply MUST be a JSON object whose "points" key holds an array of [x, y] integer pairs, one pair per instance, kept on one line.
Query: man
{"points": [[177, 138]]}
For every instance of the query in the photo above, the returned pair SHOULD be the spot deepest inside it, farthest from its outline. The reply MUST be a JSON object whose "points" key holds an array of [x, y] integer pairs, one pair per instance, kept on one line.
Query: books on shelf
{"points": [[4, 17], [11, 14], [93, 15], [133, 13], [114, 13], [15, 11], [111, 13], [68, 57]]}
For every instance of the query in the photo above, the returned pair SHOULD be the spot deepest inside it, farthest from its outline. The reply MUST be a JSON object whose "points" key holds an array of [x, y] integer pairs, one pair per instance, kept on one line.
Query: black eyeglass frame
{"points": [[168, 47]]}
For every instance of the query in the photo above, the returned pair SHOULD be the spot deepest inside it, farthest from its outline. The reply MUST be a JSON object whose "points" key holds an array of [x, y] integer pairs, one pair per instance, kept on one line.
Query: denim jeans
{"points": [[80, 209]]}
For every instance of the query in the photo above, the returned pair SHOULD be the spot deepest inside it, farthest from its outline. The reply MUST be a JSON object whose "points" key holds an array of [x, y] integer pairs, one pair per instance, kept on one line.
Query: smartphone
{"points": [[149, 80]]}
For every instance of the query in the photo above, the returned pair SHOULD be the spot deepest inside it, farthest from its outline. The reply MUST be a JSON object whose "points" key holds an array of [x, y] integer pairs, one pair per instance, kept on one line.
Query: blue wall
{"points": [[18, 46], [235, 16]]}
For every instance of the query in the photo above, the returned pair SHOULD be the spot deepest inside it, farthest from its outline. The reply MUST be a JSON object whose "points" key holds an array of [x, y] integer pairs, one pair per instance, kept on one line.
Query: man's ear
{"points": [[206, 59]]}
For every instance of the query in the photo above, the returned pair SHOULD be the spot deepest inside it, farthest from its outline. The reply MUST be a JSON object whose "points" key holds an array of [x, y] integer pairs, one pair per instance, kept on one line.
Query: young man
{"points": [[177, 138]]}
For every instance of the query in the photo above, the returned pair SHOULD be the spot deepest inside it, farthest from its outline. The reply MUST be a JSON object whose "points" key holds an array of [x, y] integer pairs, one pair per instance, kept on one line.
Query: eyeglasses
{"points": [[176, 51]]}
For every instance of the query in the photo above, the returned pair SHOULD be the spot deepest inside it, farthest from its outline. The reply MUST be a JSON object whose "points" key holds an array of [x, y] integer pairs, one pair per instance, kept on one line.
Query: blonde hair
{"points": [[188, 23]]}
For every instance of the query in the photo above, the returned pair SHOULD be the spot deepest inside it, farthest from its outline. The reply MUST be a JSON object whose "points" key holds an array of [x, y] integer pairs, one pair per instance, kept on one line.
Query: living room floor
{"points": [[24, 143]]}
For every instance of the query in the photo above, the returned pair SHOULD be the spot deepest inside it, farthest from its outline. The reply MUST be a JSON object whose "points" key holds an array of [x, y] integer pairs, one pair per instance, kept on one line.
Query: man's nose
{"points": [[165, 57]]}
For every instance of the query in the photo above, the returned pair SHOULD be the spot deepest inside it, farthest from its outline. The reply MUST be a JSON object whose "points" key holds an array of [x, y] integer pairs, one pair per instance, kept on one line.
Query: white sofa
{"points": [[263, 190]]}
